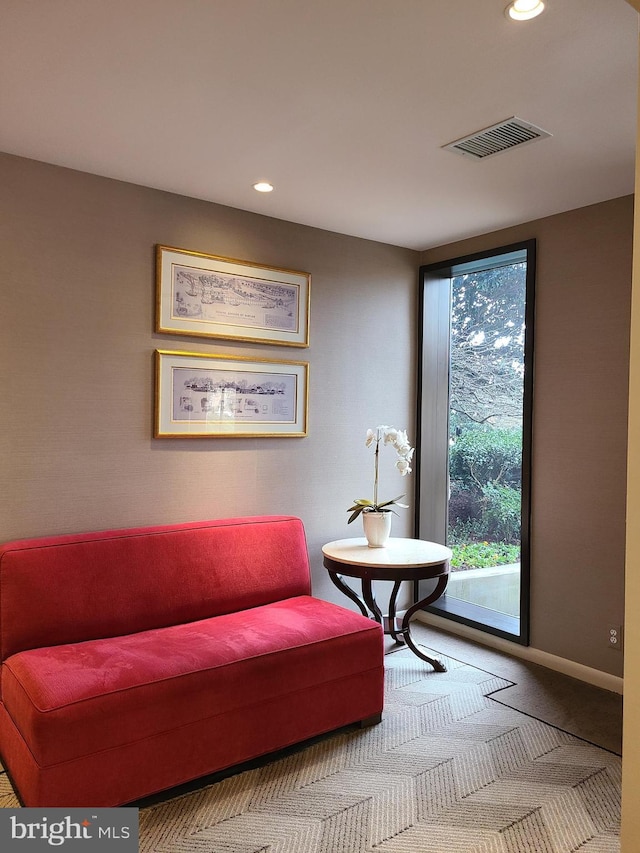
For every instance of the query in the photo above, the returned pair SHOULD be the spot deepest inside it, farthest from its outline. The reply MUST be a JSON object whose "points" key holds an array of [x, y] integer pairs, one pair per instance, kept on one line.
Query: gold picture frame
{"points": [[216, 297], [199, 395]]}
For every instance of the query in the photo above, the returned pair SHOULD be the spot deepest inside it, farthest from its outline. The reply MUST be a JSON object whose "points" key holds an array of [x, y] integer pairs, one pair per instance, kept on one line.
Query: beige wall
{"points": [[583, 293], [76, 446]]}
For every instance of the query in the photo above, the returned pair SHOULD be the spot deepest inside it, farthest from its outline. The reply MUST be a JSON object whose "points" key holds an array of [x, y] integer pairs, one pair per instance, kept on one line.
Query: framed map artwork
{"points": [[199, 395], [215, 297]]}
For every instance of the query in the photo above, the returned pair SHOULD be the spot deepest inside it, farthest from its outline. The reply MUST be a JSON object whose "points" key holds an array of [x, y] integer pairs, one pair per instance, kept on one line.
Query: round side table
{"points": [[400, 560]]}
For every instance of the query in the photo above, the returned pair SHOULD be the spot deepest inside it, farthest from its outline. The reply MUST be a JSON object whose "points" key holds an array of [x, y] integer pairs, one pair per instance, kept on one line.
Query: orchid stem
{"points": [[375, 479]]}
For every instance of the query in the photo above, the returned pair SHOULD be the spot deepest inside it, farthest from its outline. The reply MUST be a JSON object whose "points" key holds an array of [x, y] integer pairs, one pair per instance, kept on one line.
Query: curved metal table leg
{"points": [[370, 599], [397, 635], [368, 606], [342, 586], [406, 628]]}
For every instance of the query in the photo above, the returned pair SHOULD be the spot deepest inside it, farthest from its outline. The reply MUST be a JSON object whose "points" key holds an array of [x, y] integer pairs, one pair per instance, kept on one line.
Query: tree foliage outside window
{"points": [[486, 394], [487, 347]]}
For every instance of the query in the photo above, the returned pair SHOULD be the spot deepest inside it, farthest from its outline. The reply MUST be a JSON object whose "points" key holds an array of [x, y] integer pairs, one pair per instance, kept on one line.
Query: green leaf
{"points": [[364, 505], [393, 501], [355, 514], [358, 505]]}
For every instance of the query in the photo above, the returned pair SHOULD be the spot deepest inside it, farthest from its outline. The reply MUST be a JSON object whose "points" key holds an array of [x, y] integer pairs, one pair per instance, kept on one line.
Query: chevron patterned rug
{"points": [[447, 771]]}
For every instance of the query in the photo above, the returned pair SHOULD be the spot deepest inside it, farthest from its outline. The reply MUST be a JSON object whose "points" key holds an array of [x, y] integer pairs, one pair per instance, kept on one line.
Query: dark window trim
{"points": [[474, 615], [459, 613]]}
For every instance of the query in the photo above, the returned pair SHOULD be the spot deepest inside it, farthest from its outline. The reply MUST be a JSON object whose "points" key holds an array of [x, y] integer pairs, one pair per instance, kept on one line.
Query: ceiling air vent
{"points": [[500, 137]]}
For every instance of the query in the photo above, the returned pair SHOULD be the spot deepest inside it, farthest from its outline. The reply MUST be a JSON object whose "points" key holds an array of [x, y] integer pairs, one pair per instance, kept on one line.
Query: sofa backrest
{"points": [[66, 589]]}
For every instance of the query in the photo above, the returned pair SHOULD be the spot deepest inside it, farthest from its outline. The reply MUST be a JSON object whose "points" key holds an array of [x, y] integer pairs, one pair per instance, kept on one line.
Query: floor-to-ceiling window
{"points": [[475, 432]]}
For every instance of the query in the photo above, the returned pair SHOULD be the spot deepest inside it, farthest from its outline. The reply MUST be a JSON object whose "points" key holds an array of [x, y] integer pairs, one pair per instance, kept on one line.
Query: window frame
{"points": [[432, 430]]}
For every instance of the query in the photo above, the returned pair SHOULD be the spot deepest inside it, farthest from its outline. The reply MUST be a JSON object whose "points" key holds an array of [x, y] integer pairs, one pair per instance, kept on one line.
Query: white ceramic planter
{"points": [[377, 528]]}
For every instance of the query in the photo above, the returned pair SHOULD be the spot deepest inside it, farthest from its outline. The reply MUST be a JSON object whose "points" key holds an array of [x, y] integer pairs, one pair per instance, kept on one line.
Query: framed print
{"points": [[218, 297], [200, 395]]}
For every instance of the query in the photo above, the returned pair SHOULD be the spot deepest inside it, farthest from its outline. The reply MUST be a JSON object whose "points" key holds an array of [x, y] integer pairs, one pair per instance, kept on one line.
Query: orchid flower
{"points": [[398, 439]]}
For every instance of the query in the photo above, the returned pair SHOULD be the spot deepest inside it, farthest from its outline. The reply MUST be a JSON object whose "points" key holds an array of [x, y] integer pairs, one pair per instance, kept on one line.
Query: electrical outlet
{"points": [[615, 637]]}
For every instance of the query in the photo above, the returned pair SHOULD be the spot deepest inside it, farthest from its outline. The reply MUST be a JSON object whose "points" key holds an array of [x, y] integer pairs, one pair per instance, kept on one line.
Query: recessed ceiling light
{"points": [[524, 10], [263, 187]]}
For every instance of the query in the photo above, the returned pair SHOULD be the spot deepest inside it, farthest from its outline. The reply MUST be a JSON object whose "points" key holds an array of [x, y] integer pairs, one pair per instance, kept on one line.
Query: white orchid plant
{"points": [[397, 438]]}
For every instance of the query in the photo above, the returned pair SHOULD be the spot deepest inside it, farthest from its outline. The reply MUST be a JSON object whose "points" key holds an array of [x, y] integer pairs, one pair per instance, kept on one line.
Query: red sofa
{"points": [[135, 660]]}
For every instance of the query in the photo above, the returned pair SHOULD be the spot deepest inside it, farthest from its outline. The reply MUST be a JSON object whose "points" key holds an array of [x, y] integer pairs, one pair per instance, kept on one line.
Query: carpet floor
{"points": [[448, 770], [581, 709]]}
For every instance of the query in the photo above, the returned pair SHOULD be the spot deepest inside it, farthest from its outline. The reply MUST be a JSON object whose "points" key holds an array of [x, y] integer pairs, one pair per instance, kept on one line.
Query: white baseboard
{"points": [[567, 667]]}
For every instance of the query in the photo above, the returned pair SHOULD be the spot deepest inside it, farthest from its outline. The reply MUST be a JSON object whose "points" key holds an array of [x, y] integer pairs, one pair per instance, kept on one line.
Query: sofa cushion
{"points": [[68, 699], [67, 589]]}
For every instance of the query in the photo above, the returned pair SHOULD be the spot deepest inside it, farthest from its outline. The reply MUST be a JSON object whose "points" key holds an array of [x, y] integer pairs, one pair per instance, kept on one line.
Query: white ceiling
{"points": [[342, 104]]}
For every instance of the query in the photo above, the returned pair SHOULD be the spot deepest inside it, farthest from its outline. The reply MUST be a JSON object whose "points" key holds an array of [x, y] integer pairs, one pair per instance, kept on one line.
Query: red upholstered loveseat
{"points": [[135, 660]]}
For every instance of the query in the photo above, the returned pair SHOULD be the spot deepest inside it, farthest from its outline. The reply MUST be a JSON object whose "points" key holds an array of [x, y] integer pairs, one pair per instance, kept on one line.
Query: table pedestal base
{"points": [[392, 626]]}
